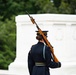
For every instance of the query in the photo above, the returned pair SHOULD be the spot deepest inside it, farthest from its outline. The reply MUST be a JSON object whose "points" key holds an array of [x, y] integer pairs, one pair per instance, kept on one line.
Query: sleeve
{"points": [[30, 63], [49, 60]]}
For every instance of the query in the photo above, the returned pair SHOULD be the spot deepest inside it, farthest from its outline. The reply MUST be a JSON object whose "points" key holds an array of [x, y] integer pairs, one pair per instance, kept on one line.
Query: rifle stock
{"points": [[44, 38]]}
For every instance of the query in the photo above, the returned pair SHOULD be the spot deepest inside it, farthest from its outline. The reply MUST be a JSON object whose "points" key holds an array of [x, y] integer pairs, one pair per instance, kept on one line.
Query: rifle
{"points": [[44, 38]]}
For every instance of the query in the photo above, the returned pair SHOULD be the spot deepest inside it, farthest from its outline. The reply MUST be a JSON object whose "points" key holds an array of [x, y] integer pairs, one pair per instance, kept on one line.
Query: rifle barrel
{"points": [[44, 38]]}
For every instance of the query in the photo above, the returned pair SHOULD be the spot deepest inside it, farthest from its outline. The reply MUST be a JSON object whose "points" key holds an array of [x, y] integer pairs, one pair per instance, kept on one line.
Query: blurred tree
{"points": [[7, 43], [73, 6], [57, 3], [64, 8], [49, 8]]}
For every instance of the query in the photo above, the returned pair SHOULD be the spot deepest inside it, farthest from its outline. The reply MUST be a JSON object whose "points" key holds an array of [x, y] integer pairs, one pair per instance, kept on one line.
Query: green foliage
{"points": [[73, 6], [64, 8], [57, 3], [11, 8], [7, 43], [48, 8]]}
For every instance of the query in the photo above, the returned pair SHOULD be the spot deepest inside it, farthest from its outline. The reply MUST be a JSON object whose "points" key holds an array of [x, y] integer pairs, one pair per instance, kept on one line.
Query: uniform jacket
{"points": [[36, 55]]}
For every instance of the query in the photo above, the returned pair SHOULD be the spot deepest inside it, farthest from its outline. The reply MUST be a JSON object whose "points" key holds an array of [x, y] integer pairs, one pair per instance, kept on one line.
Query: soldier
{"points": [[40, 58]]}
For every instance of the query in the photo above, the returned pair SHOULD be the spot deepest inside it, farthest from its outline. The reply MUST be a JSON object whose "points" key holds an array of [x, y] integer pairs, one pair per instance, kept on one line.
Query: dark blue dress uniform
{"points": [[37, 64]]}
